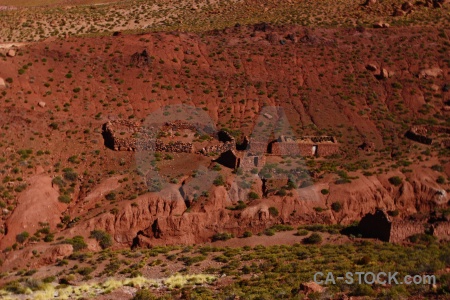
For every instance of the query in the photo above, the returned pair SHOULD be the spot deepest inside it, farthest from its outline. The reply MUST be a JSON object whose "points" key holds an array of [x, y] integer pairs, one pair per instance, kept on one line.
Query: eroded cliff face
{"points": [[163, 218]]}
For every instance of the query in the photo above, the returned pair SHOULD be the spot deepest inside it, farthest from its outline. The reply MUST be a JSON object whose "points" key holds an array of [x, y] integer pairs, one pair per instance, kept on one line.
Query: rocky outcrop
{"points": [[11, 53], [140, 59], [431, 72], [419, 134]]}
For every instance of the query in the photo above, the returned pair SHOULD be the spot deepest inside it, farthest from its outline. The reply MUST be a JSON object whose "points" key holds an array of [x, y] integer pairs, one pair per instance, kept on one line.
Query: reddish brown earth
{"points": [[319, 78]]}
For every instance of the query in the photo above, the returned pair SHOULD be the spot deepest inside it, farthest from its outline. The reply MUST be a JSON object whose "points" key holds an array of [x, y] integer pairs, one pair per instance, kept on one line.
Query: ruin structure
{"points": [[380, 225]]}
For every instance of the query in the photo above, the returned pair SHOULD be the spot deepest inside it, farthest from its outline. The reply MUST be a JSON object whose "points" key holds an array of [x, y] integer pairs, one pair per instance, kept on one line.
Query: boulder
{"points": [[384, 74], [11, 53], [273, 38], [2, 84], [431, 72], [370, 2], [371, 67], [311, 287], [381, 25], [398, 12], [434, 87], [41, 104], [407, 7]]}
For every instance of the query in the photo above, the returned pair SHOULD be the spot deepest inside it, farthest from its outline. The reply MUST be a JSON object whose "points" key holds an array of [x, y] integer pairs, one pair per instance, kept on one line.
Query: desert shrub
{"points": [[395, 180], [110, 196], [70, 175], [14, 287], [437, 168], [144, 294], [219, 181], [324, 191], [273, 211], [365, 260], [247, 234], [77, 242], [49, 238], [222, 236], [22, 237], [282, 227], [59, 182], [422, 238], [336, 206], [85, 271], [302, 232], [363, 290], [314, 238], [64, 199], [48, 279], [102, 237], [440, 180], [269, 232], [240, 206], [253, 196]]}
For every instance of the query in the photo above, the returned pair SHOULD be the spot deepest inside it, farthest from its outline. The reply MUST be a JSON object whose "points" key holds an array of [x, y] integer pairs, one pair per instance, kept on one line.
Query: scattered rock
{"points": [[381, 24], [292, 37], [370, 2], [407, 7], [398, 12], [446, 108], [367, 146], [384, 74], [41, 104], [273, 38], [434, 87], [11, 53], [371, 67], [432, 72], [2, 84], [311, 287]]}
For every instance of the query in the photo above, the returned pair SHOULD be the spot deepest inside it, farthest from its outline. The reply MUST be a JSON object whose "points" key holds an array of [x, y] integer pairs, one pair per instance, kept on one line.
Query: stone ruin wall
{"points": [[291, 148], [421, 134], [257, 147], [401, 230], [248, 162], [327, 149], [304, 149], [218, 148], [144, 142]]}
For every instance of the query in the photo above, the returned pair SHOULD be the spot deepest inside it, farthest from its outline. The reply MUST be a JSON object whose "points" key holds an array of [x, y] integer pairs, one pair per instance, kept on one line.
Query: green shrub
{"points": [[314, 238], [222, 236], [77, 242], [22, 237], [64, 199], [336, 206], [302, 232], [144, 294], [110, 196], [273, 211], [102, 237], [219, 181], [395, 180], [247, 234], [253, 196]]}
